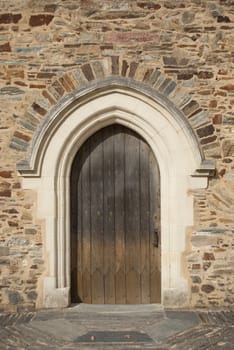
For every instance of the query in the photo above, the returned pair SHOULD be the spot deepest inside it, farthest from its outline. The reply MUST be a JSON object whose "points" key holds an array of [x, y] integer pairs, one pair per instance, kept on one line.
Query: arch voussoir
{"points": [[67, 87]]}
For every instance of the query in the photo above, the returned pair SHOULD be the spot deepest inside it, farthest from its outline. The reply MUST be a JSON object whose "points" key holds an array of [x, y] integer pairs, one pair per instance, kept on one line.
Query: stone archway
{"points": [[174, 145]]}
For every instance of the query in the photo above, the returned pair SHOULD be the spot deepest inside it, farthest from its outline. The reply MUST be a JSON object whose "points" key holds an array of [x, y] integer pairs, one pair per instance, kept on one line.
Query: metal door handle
{"points": [[155, 238]]}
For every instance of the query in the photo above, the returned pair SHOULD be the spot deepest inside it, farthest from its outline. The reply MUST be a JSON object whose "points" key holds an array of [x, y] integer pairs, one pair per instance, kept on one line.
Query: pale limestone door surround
{"points": [[174, 145]]}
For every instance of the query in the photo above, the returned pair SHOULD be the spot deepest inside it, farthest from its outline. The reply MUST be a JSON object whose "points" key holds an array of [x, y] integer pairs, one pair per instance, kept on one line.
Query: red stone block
{"points": [[48, 97], [217, 119], [21, 136], [213, 104], [5, 193], [37, 86], [6, 174], [5, 48], [39, 20], [7, 18], [228, 87], [208, 256]]}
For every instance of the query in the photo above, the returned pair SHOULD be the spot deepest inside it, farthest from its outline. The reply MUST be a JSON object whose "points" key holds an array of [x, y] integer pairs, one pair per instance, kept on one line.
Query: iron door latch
{"points": [[155, 238]]}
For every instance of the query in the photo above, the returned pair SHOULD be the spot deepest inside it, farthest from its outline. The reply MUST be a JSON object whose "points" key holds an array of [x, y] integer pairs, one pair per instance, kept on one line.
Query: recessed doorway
{"points": [[115, 220]]}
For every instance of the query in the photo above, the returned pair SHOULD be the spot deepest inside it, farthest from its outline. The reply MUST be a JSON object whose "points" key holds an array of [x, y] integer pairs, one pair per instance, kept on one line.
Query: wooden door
{"points": [[115, 220]]}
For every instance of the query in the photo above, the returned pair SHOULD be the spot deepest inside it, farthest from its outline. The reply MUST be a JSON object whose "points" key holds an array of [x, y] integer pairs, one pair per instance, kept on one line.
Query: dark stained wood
{"points": [[97, 214], [145, 222], [109, 216], [74, 232], [84, 233], [132, 221], [155, 252], [79, 242], [115, 207], [120, 276]]}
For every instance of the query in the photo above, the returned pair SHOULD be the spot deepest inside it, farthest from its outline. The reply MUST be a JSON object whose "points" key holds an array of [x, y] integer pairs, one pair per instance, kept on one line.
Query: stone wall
{"points": [[49, 48]]}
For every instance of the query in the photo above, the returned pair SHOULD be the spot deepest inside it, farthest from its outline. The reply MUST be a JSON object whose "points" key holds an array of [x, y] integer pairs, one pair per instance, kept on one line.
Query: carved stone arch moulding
{"points": [[71, 110]]}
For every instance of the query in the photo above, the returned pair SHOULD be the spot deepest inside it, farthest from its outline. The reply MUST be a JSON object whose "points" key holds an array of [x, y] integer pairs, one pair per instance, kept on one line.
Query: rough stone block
{"points": [[206, 131], [228, 87], [125, 66], [227, 147], [115, 65], [6, 174], [30, 231], [37, 108], [88, 73], [7, 18], [114, 37], [208, 140], [205, 75], [98, 69], [39, 20], [4, 251], [58, 88], [208, 256], [11, 91], [15, 297], [207, 288], [5, 193], [22, 136], [132, 69], [225, 19]]}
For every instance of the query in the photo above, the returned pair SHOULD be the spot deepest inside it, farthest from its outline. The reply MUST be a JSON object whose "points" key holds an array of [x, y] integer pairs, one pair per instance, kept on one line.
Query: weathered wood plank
{"points": [[144, 223], [84, 235], [108, 216], [79, 238], [96, 184], [155, 284], [132, 221], [74, 232], [120, 278]]}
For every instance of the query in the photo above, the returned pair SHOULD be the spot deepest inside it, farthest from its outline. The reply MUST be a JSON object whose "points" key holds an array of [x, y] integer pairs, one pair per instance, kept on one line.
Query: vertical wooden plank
{"points": [[155, 273], [120, 280], [108, 215], [132, 222], [84, 245], [74, 229], [79, 242], [96, 180], [144, 222]]}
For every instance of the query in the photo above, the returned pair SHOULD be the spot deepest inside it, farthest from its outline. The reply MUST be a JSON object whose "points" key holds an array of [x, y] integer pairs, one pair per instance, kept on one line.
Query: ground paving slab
{"points": [[96, 327]]}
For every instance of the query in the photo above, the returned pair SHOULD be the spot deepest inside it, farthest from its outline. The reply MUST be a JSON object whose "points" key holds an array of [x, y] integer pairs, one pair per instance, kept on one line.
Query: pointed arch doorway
{"points": [[115, 220], [181, 162]]}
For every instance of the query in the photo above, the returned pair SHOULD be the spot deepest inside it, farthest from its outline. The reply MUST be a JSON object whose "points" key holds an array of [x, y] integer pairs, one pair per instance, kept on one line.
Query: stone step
{"points": [[117, 309]]}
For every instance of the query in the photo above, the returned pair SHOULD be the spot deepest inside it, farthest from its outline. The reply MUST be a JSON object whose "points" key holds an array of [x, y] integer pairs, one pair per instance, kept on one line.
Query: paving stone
{"points": [[72, 328]]}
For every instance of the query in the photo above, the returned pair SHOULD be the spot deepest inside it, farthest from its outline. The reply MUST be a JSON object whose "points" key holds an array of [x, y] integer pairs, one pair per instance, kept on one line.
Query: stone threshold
{"points": [[113, 308]]}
